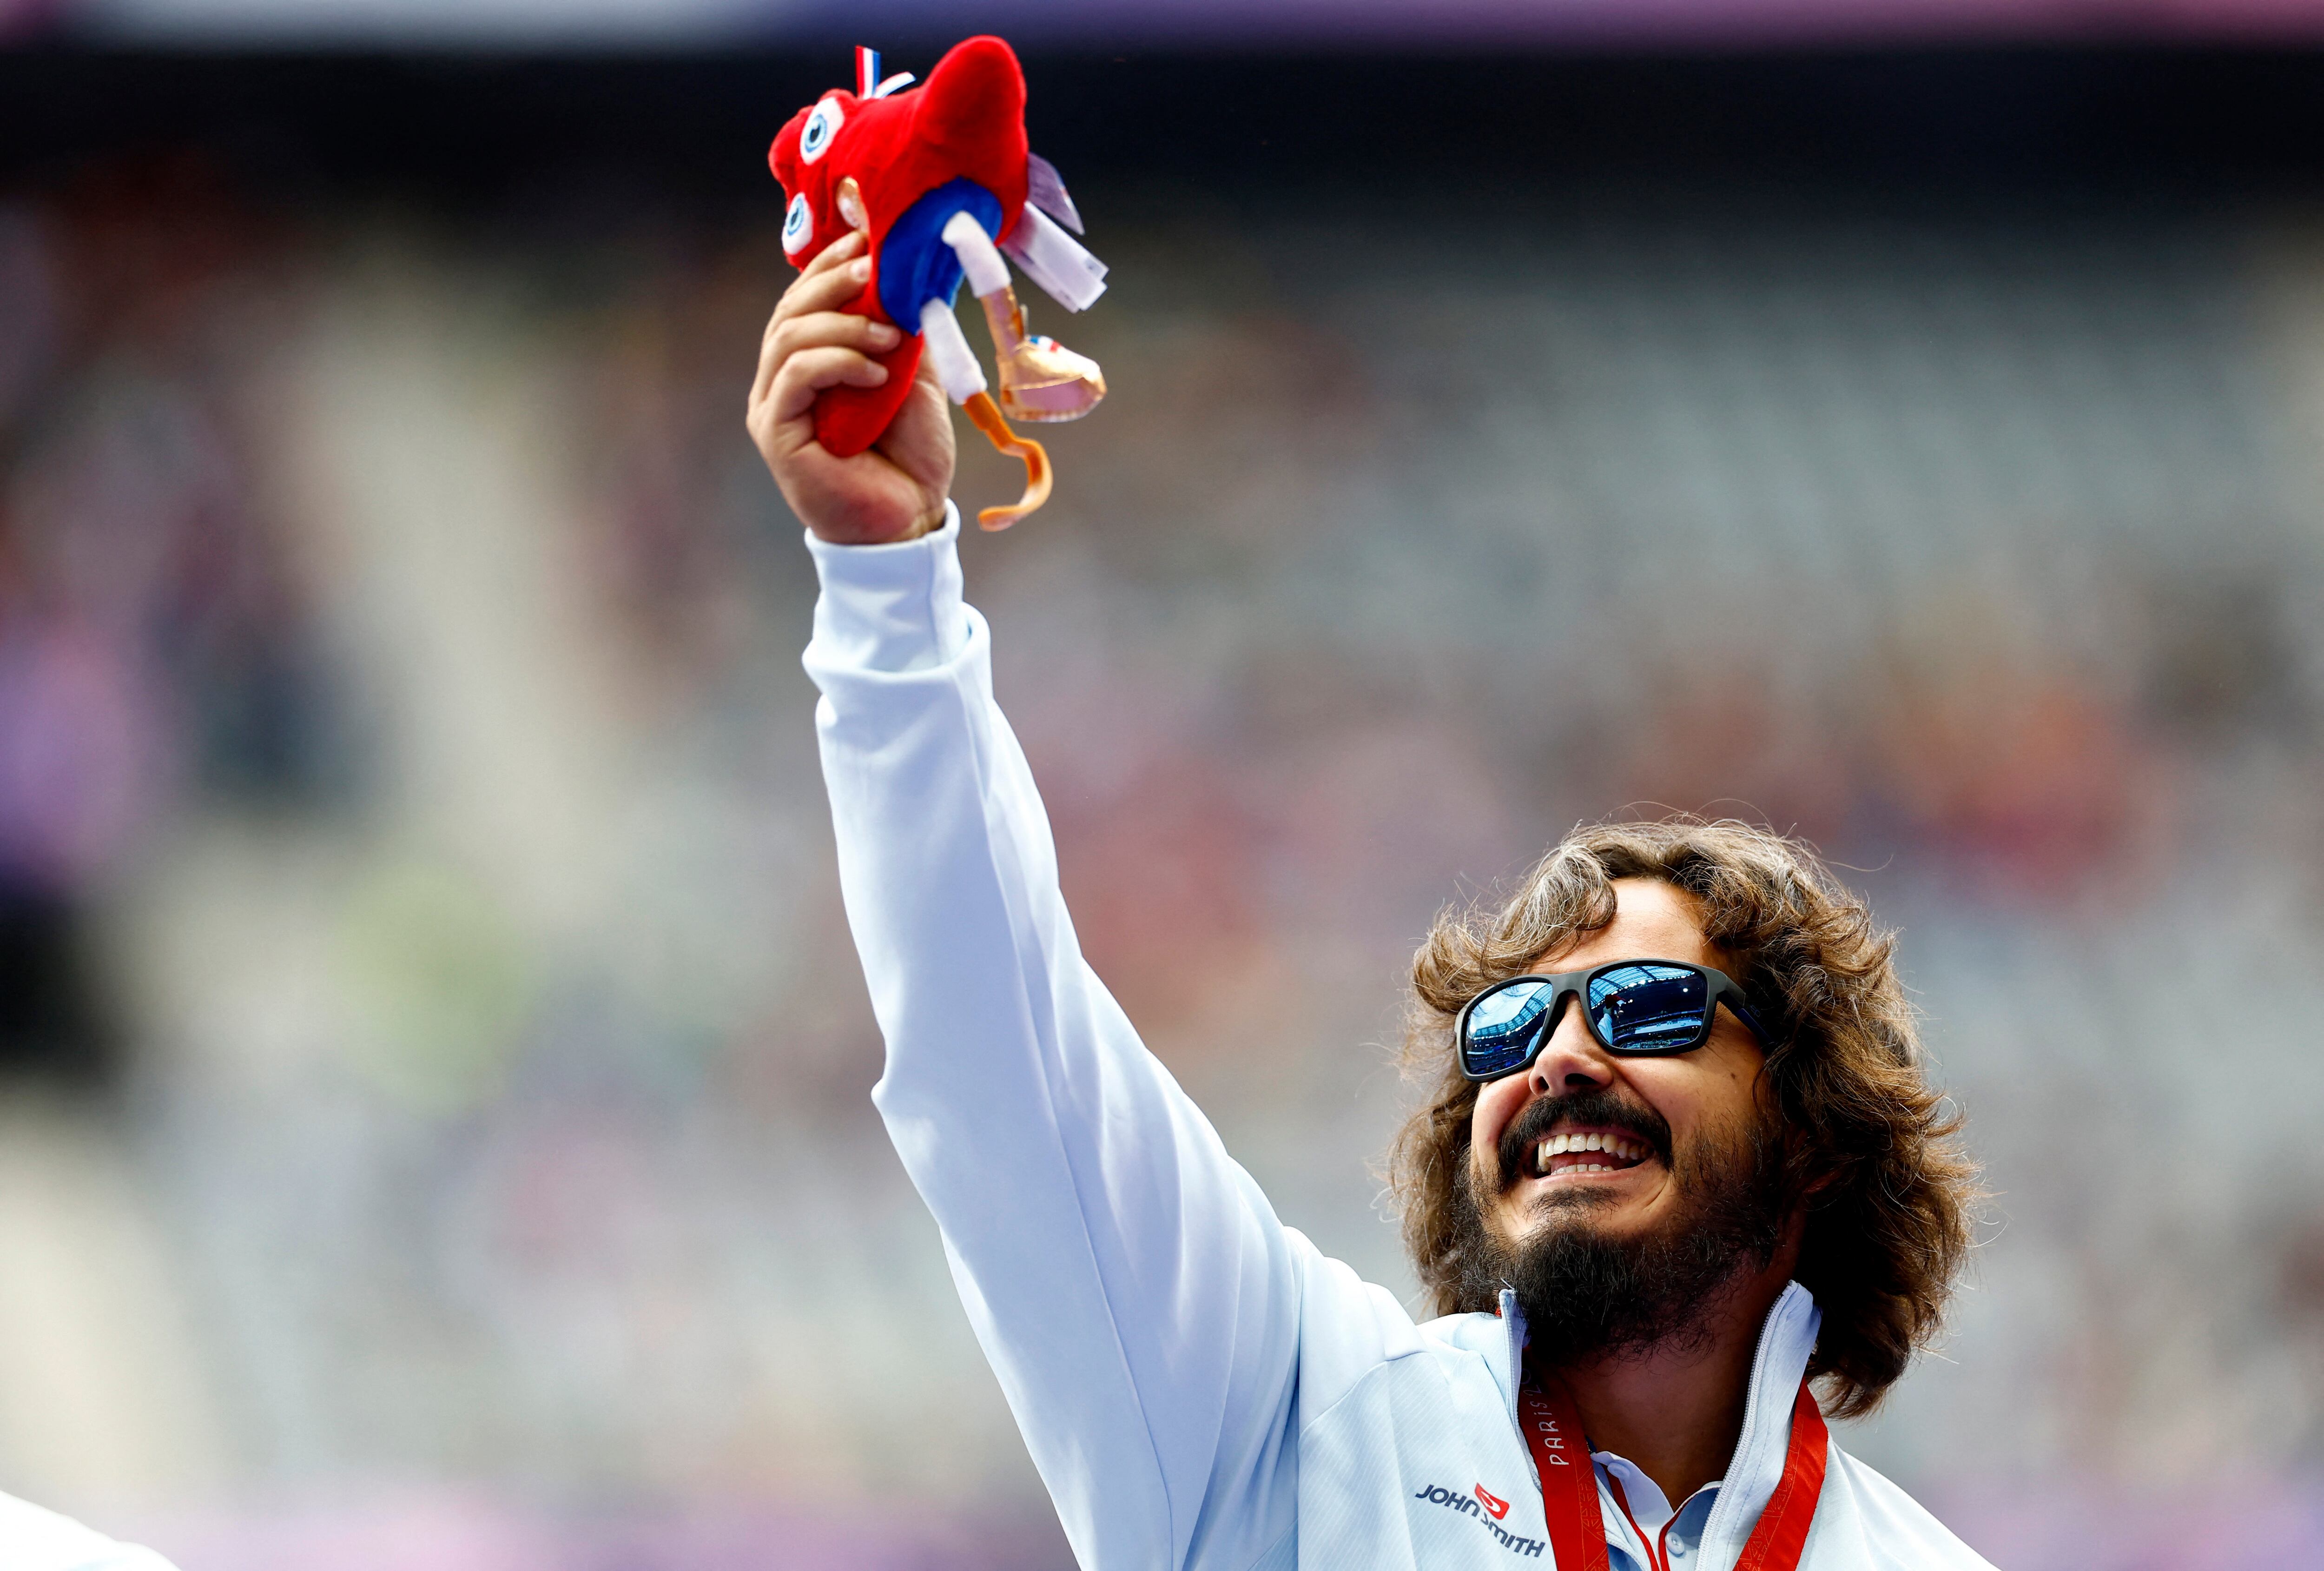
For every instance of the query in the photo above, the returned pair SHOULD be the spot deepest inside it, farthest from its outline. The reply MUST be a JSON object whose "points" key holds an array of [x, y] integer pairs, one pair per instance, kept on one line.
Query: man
{"points": [[1679, 1161]]}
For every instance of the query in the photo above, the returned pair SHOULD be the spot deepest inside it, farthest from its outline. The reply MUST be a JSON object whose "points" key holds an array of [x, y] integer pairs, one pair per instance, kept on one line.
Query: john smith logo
{"points": [[1486, 1509]]}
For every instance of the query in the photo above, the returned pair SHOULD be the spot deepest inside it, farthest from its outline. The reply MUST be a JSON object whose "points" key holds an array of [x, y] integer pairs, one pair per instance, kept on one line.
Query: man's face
{"points": [[1667, 1129]]}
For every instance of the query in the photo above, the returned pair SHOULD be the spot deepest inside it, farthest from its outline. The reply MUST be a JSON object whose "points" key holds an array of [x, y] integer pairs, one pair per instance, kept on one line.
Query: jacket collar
{"points": [[1786, 1341], [1512, 1362]]}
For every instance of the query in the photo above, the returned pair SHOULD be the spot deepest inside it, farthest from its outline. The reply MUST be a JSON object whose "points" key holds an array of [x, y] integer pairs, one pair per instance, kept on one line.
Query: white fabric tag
{"points": [[1045, 189], [1056, 261]]}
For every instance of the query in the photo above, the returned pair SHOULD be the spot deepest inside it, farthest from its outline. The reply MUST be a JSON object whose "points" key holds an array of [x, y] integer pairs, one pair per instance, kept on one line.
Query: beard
{"points": [[1588, 1294]]}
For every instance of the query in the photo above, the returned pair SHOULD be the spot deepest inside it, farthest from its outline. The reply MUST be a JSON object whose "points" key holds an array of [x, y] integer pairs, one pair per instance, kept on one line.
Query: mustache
{"points": [[1599, 1104]]}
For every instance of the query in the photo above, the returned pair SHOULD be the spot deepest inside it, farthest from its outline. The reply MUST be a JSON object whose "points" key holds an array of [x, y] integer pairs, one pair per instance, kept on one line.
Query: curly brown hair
{"points": [[1873, 1158]]}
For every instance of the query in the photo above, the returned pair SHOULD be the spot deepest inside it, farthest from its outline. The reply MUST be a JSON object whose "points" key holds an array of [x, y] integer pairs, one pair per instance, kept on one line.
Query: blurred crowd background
{"points": [[433, 1071]]}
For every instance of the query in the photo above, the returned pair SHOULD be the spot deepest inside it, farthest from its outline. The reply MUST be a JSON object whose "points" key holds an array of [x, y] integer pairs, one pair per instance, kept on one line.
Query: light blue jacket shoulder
{"points": [[33, 1539]]}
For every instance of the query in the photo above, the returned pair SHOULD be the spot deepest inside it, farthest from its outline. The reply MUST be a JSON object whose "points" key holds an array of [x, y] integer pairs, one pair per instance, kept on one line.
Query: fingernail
{"points": [[860, 269], [884, 335]]}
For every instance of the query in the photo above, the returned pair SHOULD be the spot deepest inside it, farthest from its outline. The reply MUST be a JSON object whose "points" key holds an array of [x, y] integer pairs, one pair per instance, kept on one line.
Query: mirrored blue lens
{"points": [[1504, 1028], [1647, 1008]]}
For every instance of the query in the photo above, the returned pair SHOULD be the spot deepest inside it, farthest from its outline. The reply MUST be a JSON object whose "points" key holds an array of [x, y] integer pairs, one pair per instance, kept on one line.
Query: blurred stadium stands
{"points": [[435, 1130]]}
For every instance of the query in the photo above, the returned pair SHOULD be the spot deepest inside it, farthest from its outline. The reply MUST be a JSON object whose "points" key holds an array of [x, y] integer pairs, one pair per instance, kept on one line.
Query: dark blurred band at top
{"points": [[1460, 24], [1441, 128]]}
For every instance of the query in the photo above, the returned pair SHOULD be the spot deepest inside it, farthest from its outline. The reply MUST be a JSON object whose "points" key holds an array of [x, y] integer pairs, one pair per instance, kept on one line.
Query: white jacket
{"points": [[33, 1539], [1199, 1386]]}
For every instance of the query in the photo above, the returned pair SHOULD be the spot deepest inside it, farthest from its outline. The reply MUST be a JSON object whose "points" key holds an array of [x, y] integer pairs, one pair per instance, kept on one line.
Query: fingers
{"points": [[817, 303], [823, 289], [810, 371], [844, 249], [826, 329], [826, 282], [826, 291]]}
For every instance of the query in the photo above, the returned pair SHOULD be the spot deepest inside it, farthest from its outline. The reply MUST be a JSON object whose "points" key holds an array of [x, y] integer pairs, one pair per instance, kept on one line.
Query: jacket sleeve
{"points": [[35, 1538], [1133, 1290]]}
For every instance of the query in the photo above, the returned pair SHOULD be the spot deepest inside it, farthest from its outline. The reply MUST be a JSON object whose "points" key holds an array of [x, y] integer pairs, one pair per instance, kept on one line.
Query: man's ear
{"points": [[1798, 1156]]}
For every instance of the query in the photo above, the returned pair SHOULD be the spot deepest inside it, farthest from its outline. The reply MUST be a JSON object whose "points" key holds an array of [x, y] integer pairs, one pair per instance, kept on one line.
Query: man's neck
{"points": [[1676, 1411]]}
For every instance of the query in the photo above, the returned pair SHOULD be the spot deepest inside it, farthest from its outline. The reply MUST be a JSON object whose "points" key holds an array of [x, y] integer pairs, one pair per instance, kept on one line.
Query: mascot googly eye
{"points": [[822, 126], [942, 184], [798, 227]]}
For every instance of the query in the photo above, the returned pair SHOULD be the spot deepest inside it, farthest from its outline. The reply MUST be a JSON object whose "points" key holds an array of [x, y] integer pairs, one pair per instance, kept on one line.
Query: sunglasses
{"points": [[1637, 1007]]}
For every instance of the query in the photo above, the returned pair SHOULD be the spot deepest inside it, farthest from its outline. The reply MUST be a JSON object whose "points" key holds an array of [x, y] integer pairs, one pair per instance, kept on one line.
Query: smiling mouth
{"points": [[1575, 1154]]}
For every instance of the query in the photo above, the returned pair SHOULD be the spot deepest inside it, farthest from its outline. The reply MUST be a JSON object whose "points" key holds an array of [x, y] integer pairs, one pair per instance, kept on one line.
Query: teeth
{"points": [[1614, 1145]]}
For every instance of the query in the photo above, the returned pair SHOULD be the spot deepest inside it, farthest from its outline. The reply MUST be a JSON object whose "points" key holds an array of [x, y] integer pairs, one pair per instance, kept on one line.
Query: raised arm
{"points": [[1136, 1295], [1128, 1280]]}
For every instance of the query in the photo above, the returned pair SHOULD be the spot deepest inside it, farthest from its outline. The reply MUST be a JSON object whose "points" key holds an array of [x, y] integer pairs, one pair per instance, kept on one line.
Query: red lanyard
{"points": [[1569, 1484]]}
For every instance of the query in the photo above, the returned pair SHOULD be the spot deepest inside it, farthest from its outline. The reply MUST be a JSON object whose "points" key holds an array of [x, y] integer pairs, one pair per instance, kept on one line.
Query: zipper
{"points": [[1512, 1324]]}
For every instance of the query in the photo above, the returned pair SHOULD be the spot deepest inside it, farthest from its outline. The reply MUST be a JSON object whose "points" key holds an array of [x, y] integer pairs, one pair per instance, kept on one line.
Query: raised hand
{"points": [[893, 490]]}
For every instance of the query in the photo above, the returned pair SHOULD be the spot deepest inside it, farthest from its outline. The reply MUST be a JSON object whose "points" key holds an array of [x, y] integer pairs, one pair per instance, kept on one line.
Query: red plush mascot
{"points": [[942, 182]]}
